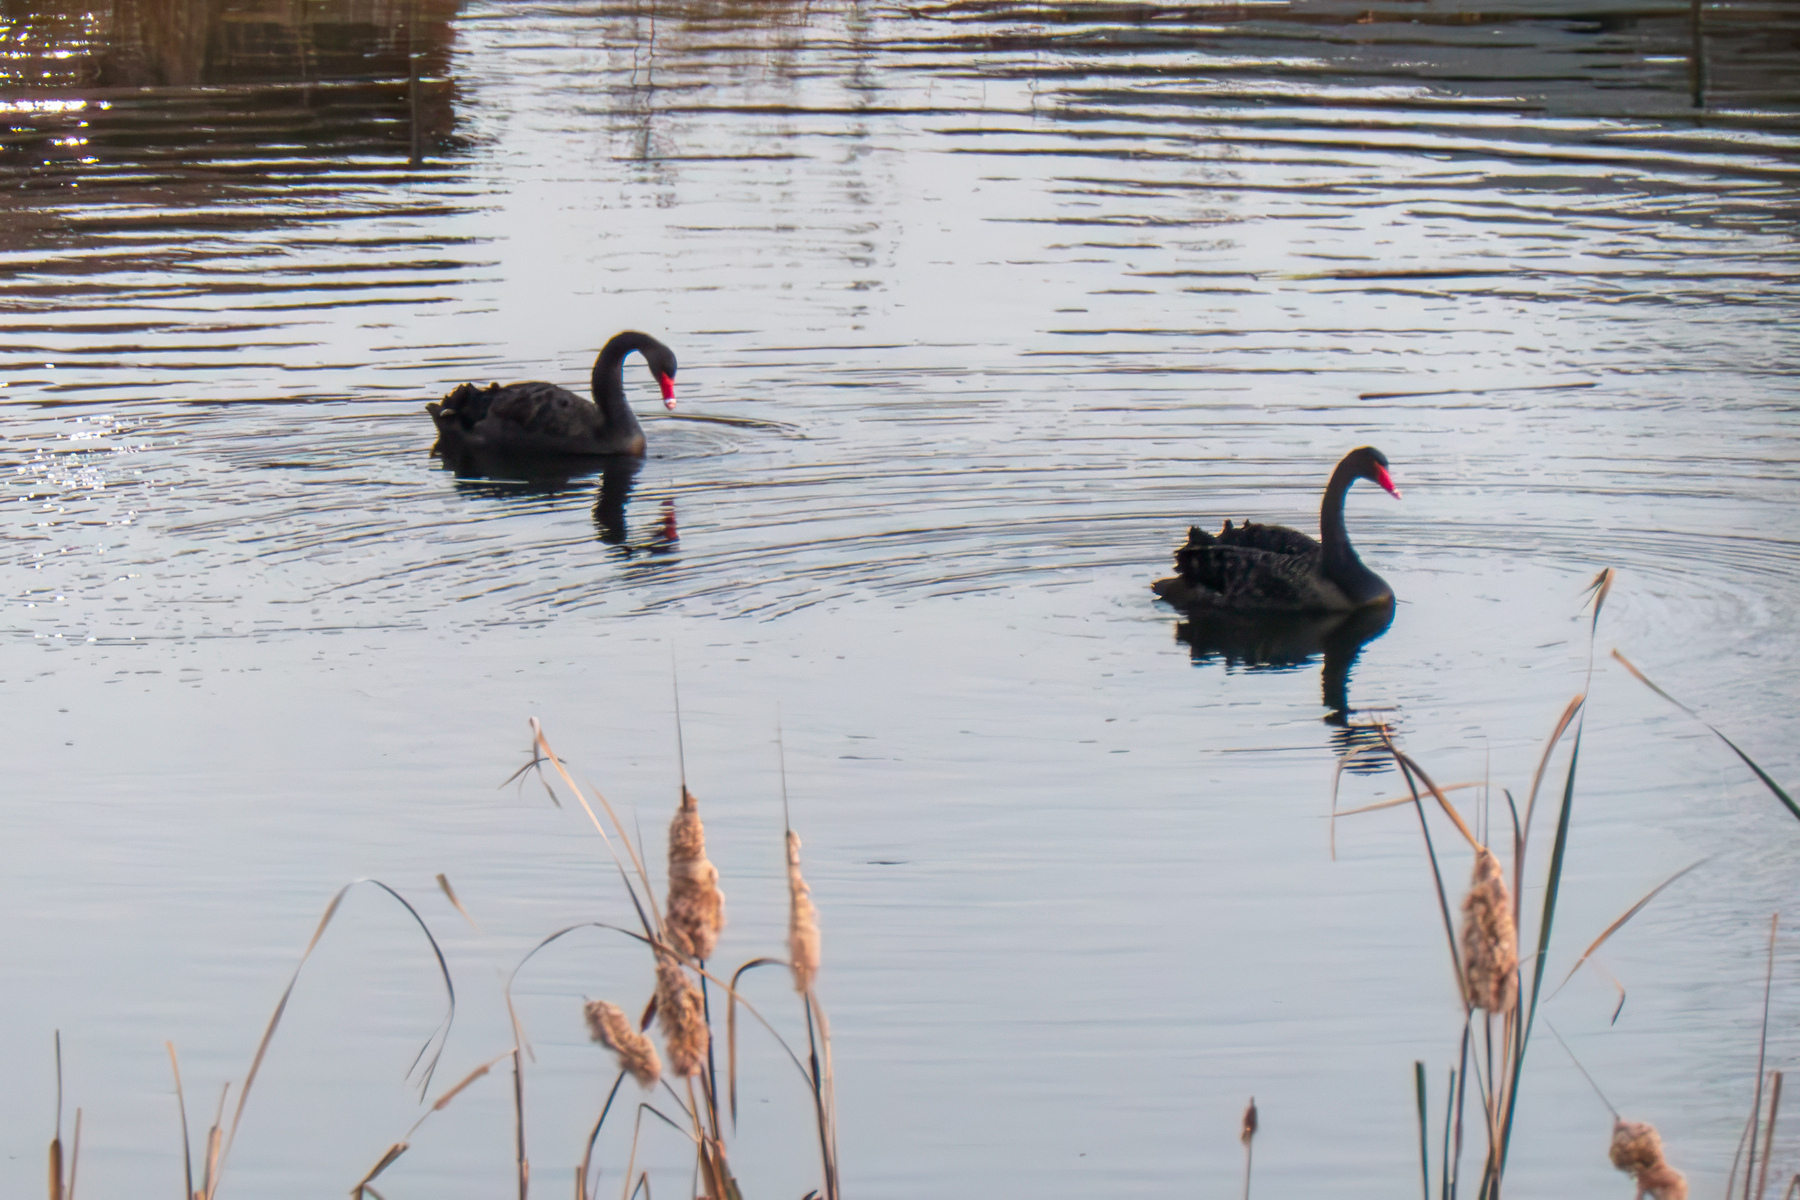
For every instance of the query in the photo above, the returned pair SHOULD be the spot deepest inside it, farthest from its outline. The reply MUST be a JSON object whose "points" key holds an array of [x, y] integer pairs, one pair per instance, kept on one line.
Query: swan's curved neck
{"points": [[1340, 561], [609, 379], [1332, 534]]}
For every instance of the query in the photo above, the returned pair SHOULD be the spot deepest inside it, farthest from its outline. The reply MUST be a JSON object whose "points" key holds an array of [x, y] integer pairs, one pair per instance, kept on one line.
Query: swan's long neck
{"points": [[1332, 534], [609, 380], [1341, 563]]}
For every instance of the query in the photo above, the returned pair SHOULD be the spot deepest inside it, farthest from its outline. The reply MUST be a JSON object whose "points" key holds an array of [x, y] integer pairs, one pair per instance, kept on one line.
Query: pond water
{"points": [[979, 306]]}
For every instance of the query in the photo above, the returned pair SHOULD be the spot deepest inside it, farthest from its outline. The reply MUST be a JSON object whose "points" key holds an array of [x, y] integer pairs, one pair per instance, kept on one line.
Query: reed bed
{"points": [[1501, 990], [680, 1085]]}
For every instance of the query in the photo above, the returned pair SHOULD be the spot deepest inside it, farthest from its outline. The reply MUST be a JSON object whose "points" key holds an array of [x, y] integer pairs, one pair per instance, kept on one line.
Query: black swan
{"points": [[543, 419], [1272, 568]]}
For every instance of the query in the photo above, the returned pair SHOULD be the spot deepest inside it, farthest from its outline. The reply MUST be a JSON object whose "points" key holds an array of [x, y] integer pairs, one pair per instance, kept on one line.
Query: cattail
{"points": [[609, 1026], [1490, 941], [803, 921], [1637, 1151], [696, 906], [682, 1014]]}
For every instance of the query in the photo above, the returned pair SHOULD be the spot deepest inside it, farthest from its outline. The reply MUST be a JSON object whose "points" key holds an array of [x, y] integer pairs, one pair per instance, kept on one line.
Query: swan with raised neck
{"points": [[1273, 568]]}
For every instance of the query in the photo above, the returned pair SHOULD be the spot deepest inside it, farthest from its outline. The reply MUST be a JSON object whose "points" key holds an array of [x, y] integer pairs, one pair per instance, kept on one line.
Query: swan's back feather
{"points": [[1269, 567], [531, 417]]}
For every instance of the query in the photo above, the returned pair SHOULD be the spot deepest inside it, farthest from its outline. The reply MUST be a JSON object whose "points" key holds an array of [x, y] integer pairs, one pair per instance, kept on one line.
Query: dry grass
{"points": [[680, 939], [1502, 992], [678, 943]]}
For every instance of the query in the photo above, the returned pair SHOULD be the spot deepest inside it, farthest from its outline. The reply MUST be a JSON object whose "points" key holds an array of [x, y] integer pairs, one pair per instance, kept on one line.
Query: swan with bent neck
{"points": [[542, 419]]}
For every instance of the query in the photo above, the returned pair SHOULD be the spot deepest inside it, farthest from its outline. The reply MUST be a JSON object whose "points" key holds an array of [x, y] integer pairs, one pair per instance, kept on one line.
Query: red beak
{"points": [[1386, 481], [668, 389]]}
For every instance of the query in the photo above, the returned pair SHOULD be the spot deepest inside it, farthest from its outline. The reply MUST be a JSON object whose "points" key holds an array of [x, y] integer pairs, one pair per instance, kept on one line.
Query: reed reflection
{"points": [[1290, 642], [138, 63]]}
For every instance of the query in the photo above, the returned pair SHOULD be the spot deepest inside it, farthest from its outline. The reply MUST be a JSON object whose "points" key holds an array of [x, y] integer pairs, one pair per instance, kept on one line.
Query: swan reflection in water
{"points": [[489, 474], [1290, 641]]}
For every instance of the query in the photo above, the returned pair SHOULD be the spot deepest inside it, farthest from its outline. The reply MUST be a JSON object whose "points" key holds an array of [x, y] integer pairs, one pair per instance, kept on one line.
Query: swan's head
{"points": [[662, 365], [1374, 467]]}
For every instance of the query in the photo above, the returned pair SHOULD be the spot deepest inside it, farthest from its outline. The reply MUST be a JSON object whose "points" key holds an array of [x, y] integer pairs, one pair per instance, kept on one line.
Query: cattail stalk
{"points": [[681, 1013], [1247, 1137], [803, 921], [1490, 940], [1637, 1150], [696, 911], [608, 1025]]}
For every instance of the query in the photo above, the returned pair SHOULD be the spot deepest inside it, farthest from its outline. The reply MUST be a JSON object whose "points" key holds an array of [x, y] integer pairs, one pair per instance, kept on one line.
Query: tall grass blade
{"points": [[362, 1185], [587, 1155], [1762, 1051], [1437, 874], [1247, 1135], [1762, 1180], [74, 1146], [542, 746], [56, 1146], [1424, 1131], [1616, 925], [437, 1036], [187, 1157], [1552, 884], [1397, 801], [731, 1003], [1583, 1070], [1767, 780], [1537, 778]]}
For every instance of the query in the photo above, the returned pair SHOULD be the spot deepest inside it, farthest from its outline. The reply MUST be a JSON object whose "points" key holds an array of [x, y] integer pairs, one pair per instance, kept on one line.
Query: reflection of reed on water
{"points": [[1288, 642], [377, 66]]}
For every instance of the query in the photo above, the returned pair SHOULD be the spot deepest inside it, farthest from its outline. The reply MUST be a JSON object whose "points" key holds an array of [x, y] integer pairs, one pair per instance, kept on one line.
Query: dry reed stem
{"points": [[608, 1025], [696, 910], [1637, 1150], [1490, 939], [682, 1014], [1247, 1136], [803, 921], [1762, 1180]]}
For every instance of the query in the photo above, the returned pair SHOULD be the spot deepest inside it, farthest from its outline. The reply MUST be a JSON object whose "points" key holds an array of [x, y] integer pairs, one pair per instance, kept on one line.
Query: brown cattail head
{"points": [[1637, 1150], [696, 906], [682, 1014], [803, 921], [613, 1029], [1490, 940], [1249, 1123]]}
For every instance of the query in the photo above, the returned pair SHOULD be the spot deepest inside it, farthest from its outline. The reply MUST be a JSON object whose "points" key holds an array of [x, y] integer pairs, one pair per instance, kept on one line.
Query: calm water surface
{"points": [[978, 306]]}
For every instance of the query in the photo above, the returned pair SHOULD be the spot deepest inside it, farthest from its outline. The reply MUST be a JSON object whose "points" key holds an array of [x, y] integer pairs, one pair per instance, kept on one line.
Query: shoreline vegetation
{"points": [[1501, 986], [1500, 1001], [680, 1087]]}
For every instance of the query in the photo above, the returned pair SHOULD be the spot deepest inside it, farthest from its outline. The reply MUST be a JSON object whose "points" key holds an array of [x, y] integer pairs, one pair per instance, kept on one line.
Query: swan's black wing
{"points": [[1266, 567], [533, 411], [545, 410], [1241, 577]]}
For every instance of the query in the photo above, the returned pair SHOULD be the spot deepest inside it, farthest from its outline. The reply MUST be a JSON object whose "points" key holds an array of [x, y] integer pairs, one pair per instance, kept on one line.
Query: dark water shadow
{"points": [[508, 476], [1291, 642]]}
